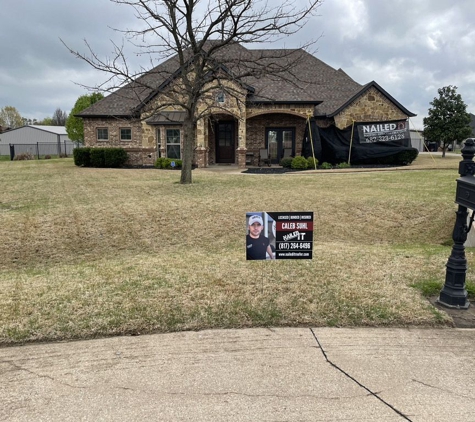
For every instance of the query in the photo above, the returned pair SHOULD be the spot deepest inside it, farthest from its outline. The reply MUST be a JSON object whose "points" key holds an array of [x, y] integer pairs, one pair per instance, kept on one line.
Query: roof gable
{"points": [[365, 89]]}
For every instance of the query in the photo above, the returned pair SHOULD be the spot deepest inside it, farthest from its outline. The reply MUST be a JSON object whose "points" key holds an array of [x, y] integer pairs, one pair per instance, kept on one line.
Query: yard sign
{"points": [[279, 235]]}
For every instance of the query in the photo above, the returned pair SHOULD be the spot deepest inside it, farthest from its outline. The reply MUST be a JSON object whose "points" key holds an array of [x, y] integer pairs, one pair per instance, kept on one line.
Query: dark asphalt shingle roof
{"points": [[307, 79]]}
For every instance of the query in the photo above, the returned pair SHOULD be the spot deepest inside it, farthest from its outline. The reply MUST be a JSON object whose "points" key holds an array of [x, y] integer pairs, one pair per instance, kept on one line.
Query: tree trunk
{"points": [[188, 144]]}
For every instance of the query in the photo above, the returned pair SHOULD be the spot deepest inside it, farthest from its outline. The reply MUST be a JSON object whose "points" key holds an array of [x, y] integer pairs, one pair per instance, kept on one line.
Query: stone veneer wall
{"points": [[256, 134], [138, 153], [372, 106]]}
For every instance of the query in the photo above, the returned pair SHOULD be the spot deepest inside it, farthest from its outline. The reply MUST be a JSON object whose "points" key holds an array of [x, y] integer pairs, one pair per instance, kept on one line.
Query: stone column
{"points": [[242, 148], [201, 157]]}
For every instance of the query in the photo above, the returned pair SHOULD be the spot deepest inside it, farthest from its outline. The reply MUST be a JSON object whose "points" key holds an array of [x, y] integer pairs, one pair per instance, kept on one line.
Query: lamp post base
{"points": [[463, 303]]}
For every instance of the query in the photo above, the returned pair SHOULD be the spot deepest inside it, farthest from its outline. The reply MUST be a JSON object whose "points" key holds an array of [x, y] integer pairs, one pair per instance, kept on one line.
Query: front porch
{"points": [[225, 139]]}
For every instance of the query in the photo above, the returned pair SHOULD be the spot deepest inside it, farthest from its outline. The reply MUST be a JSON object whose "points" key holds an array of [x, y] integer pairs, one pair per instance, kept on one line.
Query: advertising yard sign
{"points": [[279, 235], [392, 131]]}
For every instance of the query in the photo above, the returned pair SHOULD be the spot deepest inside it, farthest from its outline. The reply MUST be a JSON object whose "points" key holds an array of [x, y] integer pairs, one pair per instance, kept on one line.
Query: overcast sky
{"points": [[409, 47]]}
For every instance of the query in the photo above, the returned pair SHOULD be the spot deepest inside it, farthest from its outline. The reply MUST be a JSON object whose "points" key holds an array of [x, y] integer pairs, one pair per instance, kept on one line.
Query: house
{"points": [[36, 139], [264, 112], [417, 140]]}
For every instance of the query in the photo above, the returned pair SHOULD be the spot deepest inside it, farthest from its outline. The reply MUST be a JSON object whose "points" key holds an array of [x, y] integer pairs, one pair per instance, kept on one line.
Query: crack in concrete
{"points": [[231, 393], [29, 371], [371, 393], [442, 389]]}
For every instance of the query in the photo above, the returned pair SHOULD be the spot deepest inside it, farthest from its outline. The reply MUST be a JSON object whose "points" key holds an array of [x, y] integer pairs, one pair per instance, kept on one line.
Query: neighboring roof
{"points": [[57, 130], [308, 80]]}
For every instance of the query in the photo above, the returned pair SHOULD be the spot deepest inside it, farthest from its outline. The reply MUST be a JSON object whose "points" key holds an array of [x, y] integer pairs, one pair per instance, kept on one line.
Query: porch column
{"points": [[201, 148], [242, 148]]}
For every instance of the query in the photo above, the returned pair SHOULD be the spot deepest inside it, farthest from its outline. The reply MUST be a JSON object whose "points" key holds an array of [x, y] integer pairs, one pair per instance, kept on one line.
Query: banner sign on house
{"points": [[279, 235], [396, 130]]}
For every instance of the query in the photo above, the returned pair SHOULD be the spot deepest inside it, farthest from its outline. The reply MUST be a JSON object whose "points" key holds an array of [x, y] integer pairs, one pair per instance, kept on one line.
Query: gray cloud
{"points": [[411, 48]]}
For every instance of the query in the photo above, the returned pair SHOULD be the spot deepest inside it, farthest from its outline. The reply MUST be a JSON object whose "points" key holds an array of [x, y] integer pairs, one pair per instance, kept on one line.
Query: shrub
{"points": [[114, 157], [178, 163], [343, 165], [166, 163], [407, 157], [24, 156], [82, 157], [286, 162], [299, 163], [312, 162], [326, 166], [97, 158], [162, 163]]}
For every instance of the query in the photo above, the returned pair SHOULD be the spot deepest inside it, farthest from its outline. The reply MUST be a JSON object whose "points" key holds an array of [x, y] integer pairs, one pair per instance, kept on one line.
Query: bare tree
{"points": [[59, 117], [192, 40]]}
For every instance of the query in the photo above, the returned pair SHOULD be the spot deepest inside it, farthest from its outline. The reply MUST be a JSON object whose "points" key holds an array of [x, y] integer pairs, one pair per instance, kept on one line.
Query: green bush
{"points": [[407, 157], [99, 157], [299, 163], [166, 163], [343, 165], [82, 157], [312, 163], [178, 163], [162, 163], [114, 157], [286, 162], [326, 166]]}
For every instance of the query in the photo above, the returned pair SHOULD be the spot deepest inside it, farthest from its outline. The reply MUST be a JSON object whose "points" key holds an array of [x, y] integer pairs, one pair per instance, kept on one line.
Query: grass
{"points": [[98, 252]]}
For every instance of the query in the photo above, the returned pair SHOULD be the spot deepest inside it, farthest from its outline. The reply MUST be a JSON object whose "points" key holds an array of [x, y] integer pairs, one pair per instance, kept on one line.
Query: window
{"points": [[173, 143], [220, 98], [125, 134], [102, 134]]}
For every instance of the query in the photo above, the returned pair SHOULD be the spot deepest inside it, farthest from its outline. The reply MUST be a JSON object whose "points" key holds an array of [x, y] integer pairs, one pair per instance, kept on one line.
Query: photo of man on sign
{"points": [[257, 244]]}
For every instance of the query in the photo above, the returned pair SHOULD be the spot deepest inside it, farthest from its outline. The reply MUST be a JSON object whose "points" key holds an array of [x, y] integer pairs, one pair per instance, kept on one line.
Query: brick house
{"points": [[262, 112]]}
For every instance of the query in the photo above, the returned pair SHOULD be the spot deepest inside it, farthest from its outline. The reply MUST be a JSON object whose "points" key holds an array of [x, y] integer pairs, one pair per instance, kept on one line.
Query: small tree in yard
{"points": [[448, 120], [192, 36], [75, 125]]}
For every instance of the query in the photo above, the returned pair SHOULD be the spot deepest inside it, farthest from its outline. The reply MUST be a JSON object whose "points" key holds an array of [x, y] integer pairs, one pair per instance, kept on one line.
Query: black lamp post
{"points": [[453, 294]]}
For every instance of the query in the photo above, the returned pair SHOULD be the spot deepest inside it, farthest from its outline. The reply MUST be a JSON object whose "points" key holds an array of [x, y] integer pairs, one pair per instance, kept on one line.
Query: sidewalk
{"points": [[282, 374]]}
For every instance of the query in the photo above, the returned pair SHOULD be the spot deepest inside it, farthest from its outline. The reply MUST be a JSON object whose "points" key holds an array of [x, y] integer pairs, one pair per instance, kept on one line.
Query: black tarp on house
{"points": [[370, 143]]}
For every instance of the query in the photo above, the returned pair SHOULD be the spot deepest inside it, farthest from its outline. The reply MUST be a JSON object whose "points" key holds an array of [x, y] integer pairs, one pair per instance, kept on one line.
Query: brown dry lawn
{"points": [[97, 252]]}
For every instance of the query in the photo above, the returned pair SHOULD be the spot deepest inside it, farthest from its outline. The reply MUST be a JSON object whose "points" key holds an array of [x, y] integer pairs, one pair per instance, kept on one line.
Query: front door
{"points": [[225, 142], [277, 139]]}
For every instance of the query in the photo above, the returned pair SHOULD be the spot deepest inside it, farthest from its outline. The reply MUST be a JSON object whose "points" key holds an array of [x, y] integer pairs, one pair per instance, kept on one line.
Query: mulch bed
{"points": [[280, 170], [270, 170]]}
